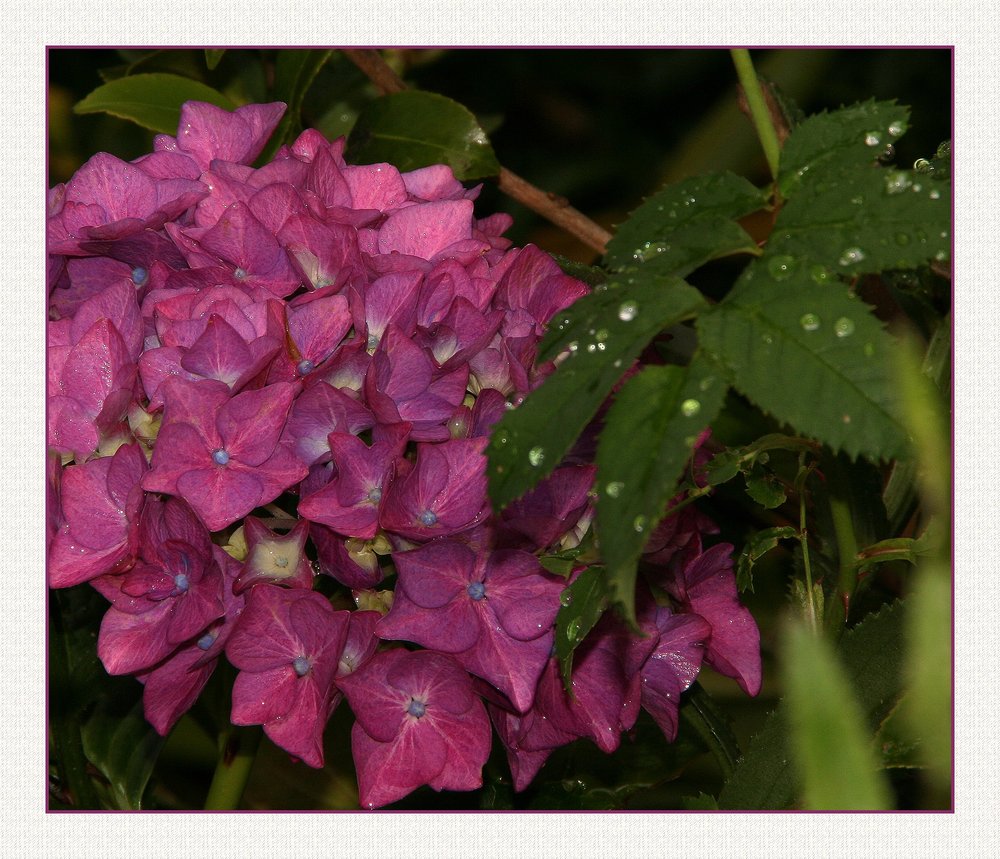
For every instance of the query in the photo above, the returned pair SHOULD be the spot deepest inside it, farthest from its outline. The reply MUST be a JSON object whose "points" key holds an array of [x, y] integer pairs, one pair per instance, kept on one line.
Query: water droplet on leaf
{"points": [[851, 256], [536, 456], [873, 138], [843, 327], [614, 488], [572, 629], [627, 311], [819, 274], [902, 239], [897, 128], [566, 598], [809, 321], [781, 266], [639, 524], [689, 408]]}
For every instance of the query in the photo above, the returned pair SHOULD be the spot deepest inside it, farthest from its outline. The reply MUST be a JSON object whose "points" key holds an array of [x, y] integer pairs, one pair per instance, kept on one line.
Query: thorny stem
{"points": [[758, 108], [552, 207]]}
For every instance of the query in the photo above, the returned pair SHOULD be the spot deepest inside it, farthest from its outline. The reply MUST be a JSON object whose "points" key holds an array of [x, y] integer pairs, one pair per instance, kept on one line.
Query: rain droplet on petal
{"points": [[536, 456], [809, 322]]}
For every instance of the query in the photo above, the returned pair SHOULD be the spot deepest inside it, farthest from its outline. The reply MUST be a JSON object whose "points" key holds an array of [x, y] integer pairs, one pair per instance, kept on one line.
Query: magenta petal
{"points": [[260, 697], [131, 642], [452, 628], [374, 186], [207, 132], [251, 422], [172, 687], [427, 228], [389, 770], [220, 494], [435, 574], [301, 735], [434, 678], [524, 597]]}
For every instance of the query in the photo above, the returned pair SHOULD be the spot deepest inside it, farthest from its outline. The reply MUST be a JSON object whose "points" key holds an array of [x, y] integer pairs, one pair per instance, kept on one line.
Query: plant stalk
{"points": [[237, 752], [758, 108]]}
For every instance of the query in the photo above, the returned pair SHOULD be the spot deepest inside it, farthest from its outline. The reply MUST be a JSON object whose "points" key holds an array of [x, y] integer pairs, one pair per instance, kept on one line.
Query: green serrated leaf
{"points": [[816, 359], [124, 747], [414, 129], [723, 467], [589, 274], [213, 56], [701, 802], [150, 100], [603, 332], [873, 655], [836, 140], [648, 436], [757, 546], [764, 488], [685, 225], [582, 604], [829, 734]]}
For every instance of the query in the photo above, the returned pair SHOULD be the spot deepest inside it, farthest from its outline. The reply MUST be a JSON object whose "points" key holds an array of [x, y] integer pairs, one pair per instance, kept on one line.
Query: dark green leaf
{"points": [[872, 653], [583, 603], [414, 129], [757, 546], [212, 57], [764, 488], [701, 802], [124, 747], [816, 359], [603, 333], [150, 100], [723, 466], [843, 139], [829, 734], [589, 274], [649, 434], [686, 225], [187, 64], [294, 72], [713, 727]]}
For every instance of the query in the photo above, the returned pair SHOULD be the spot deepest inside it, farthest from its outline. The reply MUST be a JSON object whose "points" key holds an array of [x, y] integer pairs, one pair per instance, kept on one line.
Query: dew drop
{"points": [[639, 524], [614, 488], [566, 597], [887, 154], [897, 128], [902, 239], [781, 267], [767, 339], [922, 165], [851, 255], [897, 181], [941, 256], [935, 194], [591, 347], [809, 321], [843, 327], [873, 138], [601, 335], [536, 456], [706, 383], [572, 629], [819, 274], [627, 311], [689, 408]]}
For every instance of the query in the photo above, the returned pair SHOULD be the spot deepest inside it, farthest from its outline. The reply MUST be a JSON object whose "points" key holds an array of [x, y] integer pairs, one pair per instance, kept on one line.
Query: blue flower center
{"points": [[181, 582], [305, 366], [280, 561], [428, 517], [220, 456], [416, 708], [240, 273], [477, 590], [207, 640], [375, 494], [139, 275], [301, 665]]}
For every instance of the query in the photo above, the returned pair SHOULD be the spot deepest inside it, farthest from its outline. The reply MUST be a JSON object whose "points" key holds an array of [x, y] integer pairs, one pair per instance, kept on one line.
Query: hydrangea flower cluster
{"points": [[261, 375]]}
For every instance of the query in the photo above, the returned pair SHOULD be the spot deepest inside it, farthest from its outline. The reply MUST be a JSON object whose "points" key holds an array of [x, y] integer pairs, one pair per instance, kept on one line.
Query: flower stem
{"points": [[847, 544], [758, 108], [552, 207], [237, 751], [800, 482]]}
